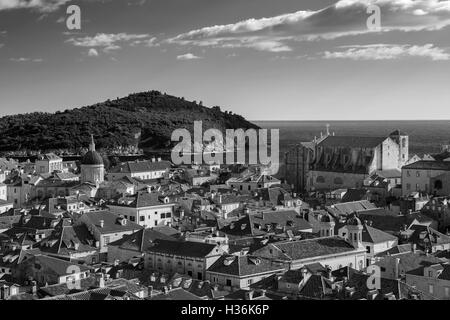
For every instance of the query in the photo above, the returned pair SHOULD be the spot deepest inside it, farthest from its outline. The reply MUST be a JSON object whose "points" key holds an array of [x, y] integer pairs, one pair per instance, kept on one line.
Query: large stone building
{"points": [[346, 161], [426, 176], [297, 162]]}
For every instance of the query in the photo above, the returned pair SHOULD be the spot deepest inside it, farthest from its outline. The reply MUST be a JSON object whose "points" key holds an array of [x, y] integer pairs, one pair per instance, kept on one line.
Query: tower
{"points": [[402, 140], [326, 225], [355, 230], [92, 166]]}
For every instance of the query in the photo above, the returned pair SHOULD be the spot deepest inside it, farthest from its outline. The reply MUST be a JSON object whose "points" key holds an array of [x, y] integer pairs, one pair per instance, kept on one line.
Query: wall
{"points": [[147, 217], [350, 180]]}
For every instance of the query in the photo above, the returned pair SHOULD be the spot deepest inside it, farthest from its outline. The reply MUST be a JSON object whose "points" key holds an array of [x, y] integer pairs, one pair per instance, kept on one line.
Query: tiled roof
{"points": [[188, 249], [176, 294], [316, 287], [289, 220], [67, 240], [347, 208], [49, 157], [304, 249], [389, 223], [58, 266], [141, 200], [141, 240], [352, 142], [244, 265], [428, 165], [373, 235], [111, 222], [141, 166]]}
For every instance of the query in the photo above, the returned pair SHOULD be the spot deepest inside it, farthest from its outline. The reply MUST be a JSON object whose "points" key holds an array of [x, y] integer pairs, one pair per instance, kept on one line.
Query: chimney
{"points": [[33, 287], [166, 290], [102, 223], [99, 280], [159, 159], [150, 291], [414, 248], [153, 160], [396, 268], [372, 294], [249, 295]]}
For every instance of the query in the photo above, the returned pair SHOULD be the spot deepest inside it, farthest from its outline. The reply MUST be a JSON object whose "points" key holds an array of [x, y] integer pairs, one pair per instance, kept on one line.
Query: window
{"points": [[142, 218], [408, 186], [228, 282], [132, 218], [249, 281], [431, 289], [418, 174], [368, 249], [338, 180], [320, 179], [408, 174], [447, 292], [107, 240]]}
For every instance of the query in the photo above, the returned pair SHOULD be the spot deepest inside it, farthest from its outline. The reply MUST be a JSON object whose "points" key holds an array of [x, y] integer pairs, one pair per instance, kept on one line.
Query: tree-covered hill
{"points": [[144, 119]]}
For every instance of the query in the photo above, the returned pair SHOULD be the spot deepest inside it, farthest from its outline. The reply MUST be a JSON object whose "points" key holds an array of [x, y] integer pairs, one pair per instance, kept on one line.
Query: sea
{"points": [[425, 137]]}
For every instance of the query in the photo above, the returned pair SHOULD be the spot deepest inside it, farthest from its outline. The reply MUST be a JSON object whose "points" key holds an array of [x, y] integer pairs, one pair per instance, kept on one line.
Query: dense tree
{"points": [[144, 120]]}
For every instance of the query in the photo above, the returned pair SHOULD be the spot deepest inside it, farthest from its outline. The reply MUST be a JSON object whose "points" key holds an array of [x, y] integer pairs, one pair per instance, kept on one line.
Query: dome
{"points": [[354, 221], [325, 218], [92, 158]]}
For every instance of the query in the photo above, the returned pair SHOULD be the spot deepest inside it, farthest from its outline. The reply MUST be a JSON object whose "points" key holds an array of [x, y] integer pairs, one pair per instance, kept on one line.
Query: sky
{"points": [[263, 59]]}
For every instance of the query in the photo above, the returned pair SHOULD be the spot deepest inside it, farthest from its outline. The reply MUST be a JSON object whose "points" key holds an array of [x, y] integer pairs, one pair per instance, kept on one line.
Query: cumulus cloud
{"points": [[39, 5], [93, 52], [108, 42], [188, 56], [388, 52], [345, 18], [152, 42]]}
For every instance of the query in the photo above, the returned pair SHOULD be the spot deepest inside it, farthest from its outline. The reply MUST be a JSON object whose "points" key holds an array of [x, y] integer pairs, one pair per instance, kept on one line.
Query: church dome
{"points": [[326, 218], [92, 158]]}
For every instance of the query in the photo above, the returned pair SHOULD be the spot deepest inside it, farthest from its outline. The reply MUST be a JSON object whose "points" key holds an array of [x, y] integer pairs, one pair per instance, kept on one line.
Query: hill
{"points": [[145, 120]]}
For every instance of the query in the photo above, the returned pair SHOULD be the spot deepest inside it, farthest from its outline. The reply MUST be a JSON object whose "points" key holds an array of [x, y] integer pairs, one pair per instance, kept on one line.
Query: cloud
{"points": [[188, 56], [152, 42], [39, 5], [93, 52], [388, 52], [344, 18], [22, 59], [108, 42]]}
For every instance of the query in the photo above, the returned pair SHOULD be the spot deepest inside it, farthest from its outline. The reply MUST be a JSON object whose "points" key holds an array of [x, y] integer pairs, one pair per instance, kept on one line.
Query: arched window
{"points": [[404, 143], [320, 179]]}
